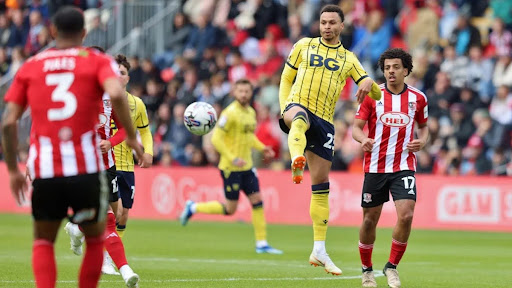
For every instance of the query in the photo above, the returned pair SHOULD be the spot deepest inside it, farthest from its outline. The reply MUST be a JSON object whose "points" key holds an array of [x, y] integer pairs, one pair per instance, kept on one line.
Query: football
{"points": [[200, 118]]}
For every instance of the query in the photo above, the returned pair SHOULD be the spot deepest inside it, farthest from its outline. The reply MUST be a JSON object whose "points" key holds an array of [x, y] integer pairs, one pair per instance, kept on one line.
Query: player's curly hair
{"points": [[121, 60], [396, 53], [333, 8]]}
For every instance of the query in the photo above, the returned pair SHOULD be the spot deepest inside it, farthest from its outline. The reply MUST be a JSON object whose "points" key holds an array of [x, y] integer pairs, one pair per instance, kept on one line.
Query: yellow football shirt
{"points": [[139, 115], [233, 136], [320, 71]]}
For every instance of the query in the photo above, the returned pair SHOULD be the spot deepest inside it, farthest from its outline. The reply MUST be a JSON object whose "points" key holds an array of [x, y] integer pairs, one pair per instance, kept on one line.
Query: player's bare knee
{"points": [[370, 222], [405, 218]]}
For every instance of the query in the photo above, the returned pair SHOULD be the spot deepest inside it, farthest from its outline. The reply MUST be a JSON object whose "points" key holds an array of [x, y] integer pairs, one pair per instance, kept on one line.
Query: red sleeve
{"points": [[422, 112], [365, 109], [107, 68], [17, 93], [121, 132]]}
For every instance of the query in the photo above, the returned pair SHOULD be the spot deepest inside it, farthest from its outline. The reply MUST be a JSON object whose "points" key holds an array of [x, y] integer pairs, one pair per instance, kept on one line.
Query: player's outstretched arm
{"points": [[17, 180], [368, 87]]}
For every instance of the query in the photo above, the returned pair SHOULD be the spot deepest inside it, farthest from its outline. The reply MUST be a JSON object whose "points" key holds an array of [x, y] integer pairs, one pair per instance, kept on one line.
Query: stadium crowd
{"points": [[462, 54]]}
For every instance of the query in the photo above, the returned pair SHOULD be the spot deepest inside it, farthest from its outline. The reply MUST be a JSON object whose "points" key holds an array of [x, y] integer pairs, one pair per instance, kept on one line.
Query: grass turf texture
{"points": [[206, 254]]}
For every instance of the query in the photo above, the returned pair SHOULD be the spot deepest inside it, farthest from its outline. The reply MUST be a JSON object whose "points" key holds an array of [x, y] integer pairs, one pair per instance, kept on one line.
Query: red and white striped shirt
{"points": [[391, 125], [63, 88], [105, 131]]}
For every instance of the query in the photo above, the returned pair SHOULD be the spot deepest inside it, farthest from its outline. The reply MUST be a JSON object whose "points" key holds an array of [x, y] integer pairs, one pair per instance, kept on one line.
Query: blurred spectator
{"points": [[375, 33], [455, 66], [465, 35], [17, 59], [5, 30], [239, 68], [32, 44], [153, 96], [471, 102], [189, 91], [503, 71], [42, 8], [175, 42], [442, 96], [501, 106], [202, 36], [136, 74], [19, 29], [425, 164], [462, 128], [479, 73], [499, 163], [4, 62], [179, 137], [96, 34], [268, 132], [474, 161], [500, 38]]}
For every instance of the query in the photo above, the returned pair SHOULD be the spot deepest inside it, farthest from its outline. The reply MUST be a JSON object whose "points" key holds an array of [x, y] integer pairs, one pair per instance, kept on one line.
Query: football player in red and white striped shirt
{"points": [[63, 86], [389, 160]]}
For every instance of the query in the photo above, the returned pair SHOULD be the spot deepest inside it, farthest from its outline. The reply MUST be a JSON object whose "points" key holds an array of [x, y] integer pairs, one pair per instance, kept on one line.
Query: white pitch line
{"points": [[377, 274]]}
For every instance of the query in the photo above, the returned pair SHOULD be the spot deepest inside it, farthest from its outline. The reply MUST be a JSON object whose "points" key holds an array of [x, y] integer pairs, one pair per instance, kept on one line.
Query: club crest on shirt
{"points": [[412, 106], [367, 197]]}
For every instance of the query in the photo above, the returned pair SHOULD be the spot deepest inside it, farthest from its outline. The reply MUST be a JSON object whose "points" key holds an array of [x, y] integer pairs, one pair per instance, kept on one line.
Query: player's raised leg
{"points": [[319, 211], [210, 207], [76, 237], [297, 120]]}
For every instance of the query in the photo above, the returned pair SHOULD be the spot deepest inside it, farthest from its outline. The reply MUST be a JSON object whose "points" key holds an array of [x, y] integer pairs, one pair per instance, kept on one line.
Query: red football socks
{"points": [[43, 264], [90, 271], [397, 251], [113, 243], [365, 252]]}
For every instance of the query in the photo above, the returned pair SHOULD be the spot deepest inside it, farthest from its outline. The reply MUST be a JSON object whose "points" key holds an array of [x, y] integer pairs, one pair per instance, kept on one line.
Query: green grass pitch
{"points": [[207, 254]]}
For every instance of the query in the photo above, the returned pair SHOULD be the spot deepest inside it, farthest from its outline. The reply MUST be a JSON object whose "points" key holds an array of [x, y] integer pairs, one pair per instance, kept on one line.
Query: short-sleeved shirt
{"points": [[322, 70], [238, 123], [391, 125], [123, 153], [63, 89]]}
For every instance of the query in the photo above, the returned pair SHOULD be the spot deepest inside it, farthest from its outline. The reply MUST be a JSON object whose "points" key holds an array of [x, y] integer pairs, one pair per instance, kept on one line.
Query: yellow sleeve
{"points": [[358, 74], [289, 73], [219, 134], [257, 144], [142, 124], [375, 93]]}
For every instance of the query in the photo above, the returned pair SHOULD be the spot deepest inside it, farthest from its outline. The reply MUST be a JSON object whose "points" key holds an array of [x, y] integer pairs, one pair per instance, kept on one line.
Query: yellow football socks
{"points": [[297, 135], [212, 207], [319, 210], [258, 222]]}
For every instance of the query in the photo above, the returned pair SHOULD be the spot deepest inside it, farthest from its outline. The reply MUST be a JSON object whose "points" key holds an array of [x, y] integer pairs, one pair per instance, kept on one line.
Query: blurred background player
{"points": [[234, 138], [66, 168], [113, 244], [313, 77], [124, 154], [389, 160]]}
